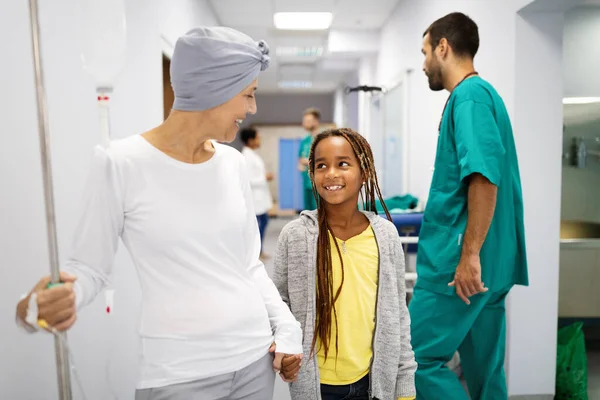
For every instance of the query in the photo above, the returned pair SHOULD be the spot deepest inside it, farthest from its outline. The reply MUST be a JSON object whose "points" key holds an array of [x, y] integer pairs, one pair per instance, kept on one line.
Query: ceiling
{"points": [[558, 5], [325, 71]]}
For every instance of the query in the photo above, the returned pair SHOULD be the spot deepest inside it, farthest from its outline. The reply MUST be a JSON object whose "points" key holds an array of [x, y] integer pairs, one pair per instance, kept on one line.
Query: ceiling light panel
{"points": [[581, 100], [302, 21], [295, 84]]}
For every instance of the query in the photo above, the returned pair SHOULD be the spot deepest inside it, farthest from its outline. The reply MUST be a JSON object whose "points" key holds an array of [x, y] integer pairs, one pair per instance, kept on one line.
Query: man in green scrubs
{"points": [[310, 122], [472, 241]]}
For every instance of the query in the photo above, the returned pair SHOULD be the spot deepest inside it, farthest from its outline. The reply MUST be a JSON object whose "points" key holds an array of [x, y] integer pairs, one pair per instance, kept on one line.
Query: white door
{"points": [[394, 142]]}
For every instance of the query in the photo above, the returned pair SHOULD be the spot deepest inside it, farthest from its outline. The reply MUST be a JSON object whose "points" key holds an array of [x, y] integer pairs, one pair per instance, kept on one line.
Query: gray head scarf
{"points": [[210, 66]]}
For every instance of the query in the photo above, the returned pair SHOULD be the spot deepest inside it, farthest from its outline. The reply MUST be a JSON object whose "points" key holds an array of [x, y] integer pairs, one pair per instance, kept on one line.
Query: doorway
{"points": [[168, 95]]}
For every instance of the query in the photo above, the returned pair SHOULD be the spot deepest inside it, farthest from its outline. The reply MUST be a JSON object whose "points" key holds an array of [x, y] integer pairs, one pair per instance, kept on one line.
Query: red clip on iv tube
{"points": [[109, 295]]}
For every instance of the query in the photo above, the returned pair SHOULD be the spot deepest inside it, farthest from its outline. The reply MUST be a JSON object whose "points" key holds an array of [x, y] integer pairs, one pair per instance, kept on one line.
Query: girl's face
{"points": [[338, 177]]}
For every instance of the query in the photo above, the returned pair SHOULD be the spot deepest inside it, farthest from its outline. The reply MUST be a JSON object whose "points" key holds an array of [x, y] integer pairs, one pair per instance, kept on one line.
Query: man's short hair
{"points": [[315, 112], [247, 134], [459, 30]]}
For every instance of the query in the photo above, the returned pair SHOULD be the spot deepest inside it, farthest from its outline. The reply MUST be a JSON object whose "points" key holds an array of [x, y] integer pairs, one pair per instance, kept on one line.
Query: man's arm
{"points": [[303, 155], [481, 157], [480, 208]]}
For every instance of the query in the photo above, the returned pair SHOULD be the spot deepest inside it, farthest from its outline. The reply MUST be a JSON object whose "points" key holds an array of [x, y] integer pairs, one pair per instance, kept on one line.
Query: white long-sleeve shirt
{"points": [[257, 173], [208, 305]]}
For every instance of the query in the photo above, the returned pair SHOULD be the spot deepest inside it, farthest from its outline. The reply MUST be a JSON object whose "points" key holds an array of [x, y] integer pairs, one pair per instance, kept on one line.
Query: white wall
{"points": [[98, 342], [401, 49], [339, 108], [537, 118], [367, 75], [179, 16], [351, 101], [533, 311], [582, 52], [347, 107]]}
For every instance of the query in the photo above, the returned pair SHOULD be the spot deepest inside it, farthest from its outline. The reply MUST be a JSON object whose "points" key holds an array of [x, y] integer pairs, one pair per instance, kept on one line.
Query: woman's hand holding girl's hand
{"points": [[287, 365]]}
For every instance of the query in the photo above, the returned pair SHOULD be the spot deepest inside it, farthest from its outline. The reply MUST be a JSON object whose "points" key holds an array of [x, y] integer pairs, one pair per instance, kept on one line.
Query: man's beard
{"points": [[435, 80], [435, 83]]}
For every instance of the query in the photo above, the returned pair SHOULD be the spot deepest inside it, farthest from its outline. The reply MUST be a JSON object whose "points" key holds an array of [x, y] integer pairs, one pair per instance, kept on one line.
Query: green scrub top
{"points": [[304, 152], [475, 137]]}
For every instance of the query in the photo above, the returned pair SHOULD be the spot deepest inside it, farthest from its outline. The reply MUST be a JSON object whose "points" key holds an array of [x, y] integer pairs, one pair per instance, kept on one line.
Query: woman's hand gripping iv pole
{"points": [[55, 302], [41, 323]]}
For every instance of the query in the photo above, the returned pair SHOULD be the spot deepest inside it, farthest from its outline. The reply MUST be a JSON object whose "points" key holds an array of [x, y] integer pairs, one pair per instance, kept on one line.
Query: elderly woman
{"points": [[182, 204]]}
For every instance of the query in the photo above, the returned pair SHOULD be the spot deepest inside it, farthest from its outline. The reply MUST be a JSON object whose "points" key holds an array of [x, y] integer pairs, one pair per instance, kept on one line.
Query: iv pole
{"points": [[62, 360]]}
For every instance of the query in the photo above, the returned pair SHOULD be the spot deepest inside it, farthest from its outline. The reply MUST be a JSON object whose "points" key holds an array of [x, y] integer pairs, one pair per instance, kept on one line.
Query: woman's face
{"points": [[228, 117]]}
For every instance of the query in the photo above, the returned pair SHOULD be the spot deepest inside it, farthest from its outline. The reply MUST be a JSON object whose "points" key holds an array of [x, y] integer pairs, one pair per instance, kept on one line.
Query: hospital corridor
{"points": [[300, 200]]}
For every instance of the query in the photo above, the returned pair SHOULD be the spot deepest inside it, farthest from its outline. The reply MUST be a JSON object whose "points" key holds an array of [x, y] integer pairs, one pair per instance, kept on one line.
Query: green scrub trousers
{"points": [[475, 138], [478, 331]]}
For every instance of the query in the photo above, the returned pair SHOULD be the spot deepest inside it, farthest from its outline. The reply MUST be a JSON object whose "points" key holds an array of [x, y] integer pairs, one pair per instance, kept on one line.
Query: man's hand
{"points": [[467, 279], [287, 365], [303, 164], [270, 176]]}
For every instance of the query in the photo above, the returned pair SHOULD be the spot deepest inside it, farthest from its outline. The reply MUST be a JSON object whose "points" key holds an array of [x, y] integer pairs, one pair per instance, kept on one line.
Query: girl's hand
{"points": [[287, 365], [290, 366]]}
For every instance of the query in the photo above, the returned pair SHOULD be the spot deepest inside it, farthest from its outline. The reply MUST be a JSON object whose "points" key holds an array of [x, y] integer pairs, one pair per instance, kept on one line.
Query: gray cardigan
{"points": [[393, 365]]}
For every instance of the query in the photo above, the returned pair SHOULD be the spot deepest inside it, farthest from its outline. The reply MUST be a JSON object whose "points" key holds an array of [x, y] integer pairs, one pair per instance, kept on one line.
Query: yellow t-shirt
{"points": [[355, 309]]}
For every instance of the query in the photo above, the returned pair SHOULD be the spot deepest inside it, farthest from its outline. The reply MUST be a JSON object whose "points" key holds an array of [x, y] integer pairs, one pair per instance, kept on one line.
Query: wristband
{"points": [[32, 311]]}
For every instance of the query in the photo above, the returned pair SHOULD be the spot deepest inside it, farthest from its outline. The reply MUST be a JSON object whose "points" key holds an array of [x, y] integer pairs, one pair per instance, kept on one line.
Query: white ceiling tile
{"points": [[331, 64], [296, 72], [304, 6], [255, 18], [245, 13], [355, 14]]}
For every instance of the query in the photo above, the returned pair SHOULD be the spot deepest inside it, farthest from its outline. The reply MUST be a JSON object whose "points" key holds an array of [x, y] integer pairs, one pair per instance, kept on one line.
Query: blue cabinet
{"points": [[290, 179]]}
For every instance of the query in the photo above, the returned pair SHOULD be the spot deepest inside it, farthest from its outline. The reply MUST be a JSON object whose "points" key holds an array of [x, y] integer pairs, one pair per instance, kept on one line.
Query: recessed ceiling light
{"points": [[295, 84], [302, 21], [294, 51], [581, 100]]}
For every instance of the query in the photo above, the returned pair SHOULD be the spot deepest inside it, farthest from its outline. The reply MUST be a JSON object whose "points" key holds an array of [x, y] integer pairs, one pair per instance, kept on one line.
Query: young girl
{"points": [[341, 271]]}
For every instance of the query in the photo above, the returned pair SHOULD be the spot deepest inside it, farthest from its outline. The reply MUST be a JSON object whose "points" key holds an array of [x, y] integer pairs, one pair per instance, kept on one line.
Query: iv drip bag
{"points": [[103, 40]]}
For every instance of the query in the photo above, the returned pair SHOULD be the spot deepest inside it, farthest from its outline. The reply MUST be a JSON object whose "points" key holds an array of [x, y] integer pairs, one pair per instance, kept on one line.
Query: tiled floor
{"points": [[273, 228], [270, 244]]}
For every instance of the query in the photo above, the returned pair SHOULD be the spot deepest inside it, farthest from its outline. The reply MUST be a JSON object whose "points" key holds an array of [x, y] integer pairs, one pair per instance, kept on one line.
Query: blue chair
{"points": [[407, 224]]}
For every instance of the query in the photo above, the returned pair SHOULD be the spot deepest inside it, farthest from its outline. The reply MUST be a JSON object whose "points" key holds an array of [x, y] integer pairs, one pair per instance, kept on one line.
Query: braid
{"points": [[326, 298]]}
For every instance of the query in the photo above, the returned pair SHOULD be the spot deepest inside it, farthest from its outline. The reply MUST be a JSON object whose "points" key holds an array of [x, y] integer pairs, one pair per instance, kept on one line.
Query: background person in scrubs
{"points": [[472, 242], [311, 121]]}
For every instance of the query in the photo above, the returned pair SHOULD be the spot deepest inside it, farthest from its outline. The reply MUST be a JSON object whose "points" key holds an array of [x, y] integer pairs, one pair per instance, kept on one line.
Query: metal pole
{"points": [[62, 359]]}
